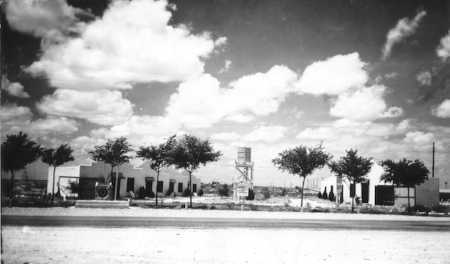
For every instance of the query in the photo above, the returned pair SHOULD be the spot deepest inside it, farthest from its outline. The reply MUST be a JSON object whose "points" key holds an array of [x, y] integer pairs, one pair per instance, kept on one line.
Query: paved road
{"points": [[221, 222]]}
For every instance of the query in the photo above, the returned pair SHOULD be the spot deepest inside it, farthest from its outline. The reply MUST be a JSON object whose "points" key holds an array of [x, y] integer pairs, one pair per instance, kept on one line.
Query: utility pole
{"points": [[432, 166]]}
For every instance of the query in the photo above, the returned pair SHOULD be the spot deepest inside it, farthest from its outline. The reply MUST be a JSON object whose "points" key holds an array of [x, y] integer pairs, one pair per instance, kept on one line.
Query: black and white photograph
{"points": [[225, 131]]}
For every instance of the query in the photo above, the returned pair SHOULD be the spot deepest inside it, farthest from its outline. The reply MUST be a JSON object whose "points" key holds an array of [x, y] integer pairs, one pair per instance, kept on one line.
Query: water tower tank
{"points": [[244, 155]]}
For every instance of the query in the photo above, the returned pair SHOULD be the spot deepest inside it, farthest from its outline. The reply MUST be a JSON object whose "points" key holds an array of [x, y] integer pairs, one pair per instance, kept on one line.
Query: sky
{"points": [[270, 75]]}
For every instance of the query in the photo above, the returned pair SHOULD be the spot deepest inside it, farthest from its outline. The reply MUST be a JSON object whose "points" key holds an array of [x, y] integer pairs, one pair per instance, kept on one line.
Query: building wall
{"points": [[427, 193], [62, 171], [101, 170]]}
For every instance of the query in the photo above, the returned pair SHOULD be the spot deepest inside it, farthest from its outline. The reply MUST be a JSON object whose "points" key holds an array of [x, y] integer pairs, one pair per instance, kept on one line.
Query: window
{"points": [[194, 187], [352, 190], [130, 184], [159, 186], [180, 187]]}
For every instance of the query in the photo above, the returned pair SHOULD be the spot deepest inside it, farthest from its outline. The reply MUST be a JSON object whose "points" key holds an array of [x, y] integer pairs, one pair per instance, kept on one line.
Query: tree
{"points": [[17, 152], [189, 153], [159, 157], [404, 173], [115, 153], [302, 161], [352, 166], [55, 158]]}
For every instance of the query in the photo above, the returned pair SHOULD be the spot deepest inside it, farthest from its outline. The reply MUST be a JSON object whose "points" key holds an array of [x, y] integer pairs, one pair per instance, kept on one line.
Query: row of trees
{"points": [[187, 153], [19, 150], [302, 161]]}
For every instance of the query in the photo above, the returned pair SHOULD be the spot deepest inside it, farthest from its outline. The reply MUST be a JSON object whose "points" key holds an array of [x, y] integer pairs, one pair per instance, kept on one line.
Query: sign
{"points": [[242, 189]]}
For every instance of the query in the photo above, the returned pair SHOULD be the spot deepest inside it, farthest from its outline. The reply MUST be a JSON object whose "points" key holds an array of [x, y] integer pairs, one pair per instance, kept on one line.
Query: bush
{"points": [[251, 195], [319, 195], [186, 192], [265, 192], [200, 192], [324, 194], [224, 190], [141, 193], [441, 208], [169, 192], [331, 196]]}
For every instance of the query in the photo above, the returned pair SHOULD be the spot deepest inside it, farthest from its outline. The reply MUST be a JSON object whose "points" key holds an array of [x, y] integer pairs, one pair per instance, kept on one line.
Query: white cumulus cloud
{"points": [[442, 110], [131, 43], [443, 50], [102, 107], [201, 101], [42, 18], [334, 75], [404, 28], [14, 88]]}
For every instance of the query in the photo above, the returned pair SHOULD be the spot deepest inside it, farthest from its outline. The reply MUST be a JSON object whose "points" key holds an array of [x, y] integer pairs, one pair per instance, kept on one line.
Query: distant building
{"points": [[171, 181]]}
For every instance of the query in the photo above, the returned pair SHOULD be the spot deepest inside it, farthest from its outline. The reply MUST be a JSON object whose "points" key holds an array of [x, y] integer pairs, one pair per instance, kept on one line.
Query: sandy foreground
{"points": [[229, 245]]}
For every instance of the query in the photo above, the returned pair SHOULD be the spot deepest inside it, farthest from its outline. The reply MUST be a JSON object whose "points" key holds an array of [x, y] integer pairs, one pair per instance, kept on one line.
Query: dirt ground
{"points": [[232, 245]]}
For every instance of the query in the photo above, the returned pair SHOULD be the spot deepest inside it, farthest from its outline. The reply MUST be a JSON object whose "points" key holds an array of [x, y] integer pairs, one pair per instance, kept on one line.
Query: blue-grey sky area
{"points": [[271, 75]]}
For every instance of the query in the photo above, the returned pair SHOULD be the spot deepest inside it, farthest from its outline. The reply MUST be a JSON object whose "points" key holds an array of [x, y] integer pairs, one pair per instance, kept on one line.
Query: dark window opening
{"points": [[352, 190], [159, 186], [130, 184], [180, 187], [194, 187]]}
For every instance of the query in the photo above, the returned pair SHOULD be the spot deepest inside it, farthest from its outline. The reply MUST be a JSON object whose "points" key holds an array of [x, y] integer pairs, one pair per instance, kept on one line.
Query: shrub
{"points": [[265, 192], [331, 196], [200, 192], [224, 190], [324, 194], [441, 208], [186, 192], [319, 194], [141, 192], [169, 192], [251, 195]]}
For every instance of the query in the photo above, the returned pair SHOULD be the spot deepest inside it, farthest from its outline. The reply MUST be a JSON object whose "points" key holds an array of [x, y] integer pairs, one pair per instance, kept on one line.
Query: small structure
{"points": [[376, 192], [243, 182]]}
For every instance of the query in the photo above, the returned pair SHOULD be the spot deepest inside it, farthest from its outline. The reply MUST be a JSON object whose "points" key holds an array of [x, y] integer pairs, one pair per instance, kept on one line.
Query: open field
{"points": [[221, 245]]}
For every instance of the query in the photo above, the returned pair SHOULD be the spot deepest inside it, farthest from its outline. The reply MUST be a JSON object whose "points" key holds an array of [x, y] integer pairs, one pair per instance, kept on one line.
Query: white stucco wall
{"points": [[101, 170]]}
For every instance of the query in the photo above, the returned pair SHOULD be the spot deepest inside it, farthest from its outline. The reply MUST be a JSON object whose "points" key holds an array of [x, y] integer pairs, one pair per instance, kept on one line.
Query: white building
{"points": [[376, 192], [130, 179]]}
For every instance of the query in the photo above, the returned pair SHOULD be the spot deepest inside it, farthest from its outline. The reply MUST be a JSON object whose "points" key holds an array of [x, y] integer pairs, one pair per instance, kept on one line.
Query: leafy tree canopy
{"points": [[190, 152], [113, 152], [18, 151], [301, 160], [404, 172], [353, 166], [57, 157], [159, 156]]}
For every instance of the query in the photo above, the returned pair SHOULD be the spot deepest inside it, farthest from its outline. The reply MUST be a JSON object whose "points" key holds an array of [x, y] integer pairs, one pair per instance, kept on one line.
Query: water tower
{"points": [[244, 179]]}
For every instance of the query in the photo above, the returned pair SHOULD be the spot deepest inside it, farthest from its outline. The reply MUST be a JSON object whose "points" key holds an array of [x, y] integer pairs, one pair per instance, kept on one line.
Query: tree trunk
{"points": [[353, 197], [303, 189], [116, 184], [408, 199], [11, 185], [156, 191], [53, 183], [190, 188]]}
